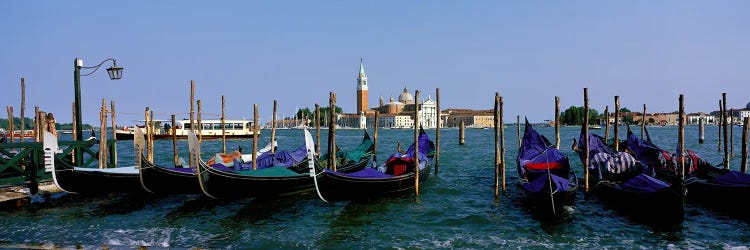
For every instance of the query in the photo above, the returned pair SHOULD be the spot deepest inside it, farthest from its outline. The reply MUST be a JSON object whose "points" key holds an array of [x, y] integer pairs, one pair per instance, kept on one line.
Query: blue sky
{"points": [[298, 51]]}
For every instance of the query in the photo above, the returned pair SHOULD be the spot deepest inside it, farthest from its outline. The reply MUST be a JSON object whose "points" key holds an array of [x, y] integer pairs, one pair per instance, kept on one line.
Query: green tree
{"points": [[574, 116], [624, 109]]}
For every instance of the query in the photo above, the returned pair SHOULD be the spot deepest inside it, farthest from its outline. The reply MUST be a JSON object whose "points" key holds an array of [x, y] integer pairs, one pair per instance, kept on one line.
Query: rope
{"points": [[549, 179]]}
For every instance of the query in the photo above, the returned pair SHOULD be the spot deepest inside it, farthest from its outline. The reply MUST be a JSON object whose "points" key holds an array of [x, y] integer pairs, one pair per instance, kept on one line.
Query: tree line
{"points": [[28, 124], [574, 116]]}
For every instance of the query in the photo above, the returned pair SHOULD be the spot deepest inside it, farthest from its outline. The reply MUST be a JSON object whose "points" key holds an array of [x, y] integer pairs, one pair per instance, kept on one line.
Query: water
{"points": [[456, 209]]}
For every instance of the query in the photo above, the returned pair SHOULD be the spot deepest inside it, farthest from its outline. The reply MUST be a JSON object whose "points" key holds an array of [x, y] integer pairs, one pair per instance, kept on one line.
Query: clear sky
{"points": [[298, 51]]}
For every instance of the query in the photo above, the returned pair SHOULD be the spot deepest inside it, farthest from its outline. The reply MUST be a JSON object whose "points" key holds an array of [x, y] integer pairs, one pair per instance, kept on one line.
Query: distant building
{"points": [[474, 118], [398, 114]]}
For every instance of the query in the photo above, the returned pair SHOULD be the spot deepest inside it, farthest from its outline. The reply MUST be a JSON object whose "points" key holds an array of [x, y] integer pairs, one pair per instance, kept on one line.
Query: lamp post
{"points": [[115, 73]]}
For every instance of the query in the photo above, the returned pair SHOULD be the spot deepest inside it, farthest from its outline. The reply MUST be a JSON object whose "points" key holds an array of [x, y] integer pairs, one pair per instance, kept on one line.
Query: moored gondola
{"points": [[545, 175], [705, 183], [71, 178], [396, 176], [224, 183], [629, 186]]}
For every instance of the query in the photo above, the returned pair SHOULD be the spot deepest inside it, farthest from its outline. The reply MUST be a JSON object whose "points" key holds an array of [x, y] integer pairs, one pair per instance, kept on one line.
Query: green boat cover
{"points": [[279, 171]]}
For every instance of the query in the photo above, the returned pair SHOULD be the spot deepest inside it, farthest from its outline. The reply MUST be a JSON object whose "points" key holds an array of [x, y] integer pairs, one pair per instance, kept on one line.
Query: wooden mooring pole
{"points": [[103, 135], [681, 138], [586, 137], [643, 123], [114, 133], [36, 124], [606, 123], [724, 128], [502, 145], [461, 138], [719, 125], [332, 131], [701, 130], [273, 126], [147, 127], [223, 128], [173, 131], [191, 160], [200, 122], [152, 125], [255, 136], [437, 130], [557, 122], [375, 138], [518, 127], [731, 133], [497, 143], [317, 129], [416, 142], [745, 125], [617, 123], [23, 109], [11, 128]]}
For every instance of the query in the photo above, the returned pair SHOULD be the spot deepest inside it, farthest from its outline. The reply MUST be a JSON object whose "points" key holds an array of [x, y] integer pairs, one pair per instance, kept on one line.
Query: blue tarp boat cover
{"points": [[537, 158], [536, 185], [734, 178], [643, 183], [280, 158]]}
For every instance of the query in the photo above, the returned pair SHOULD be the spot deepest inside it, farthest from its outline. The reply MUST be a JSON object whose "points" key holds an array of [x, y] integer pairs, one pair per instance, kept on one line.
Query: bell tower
{"points": [[361, 88]]}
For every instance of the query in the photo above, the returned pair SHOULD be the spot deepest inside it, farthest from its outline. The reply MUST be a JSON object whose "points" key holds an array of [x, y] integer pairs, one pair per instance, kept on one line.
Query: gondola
{"points": [[70, 178], [169, 180], [704, 182], [394, 177], [176, 180], [545, 175], [630, 186], [222, 183]]}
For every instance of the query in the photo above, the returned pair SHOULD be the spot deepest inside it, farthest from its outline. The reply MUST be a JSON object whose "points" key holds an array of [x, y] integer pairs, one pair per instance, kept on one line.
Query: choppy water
{"points": [[456, 209]]}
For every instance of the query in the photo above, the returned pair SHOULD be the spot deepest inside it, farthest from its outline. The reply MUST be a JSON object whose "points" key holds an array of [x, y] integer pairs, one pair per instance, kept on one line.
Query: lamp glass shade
{"points": [[115, 73]]}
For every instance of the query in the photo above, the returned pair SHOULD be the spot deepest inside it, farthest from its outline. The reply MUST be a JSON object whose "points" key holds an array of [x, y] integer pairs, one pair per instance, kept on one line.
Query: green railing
{"points": [[24, 161]]}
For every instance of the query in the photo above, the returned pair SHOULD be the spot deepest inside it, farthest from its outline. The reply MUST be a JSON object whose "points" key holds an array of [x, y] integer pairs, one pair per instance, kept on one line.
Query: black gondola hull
{"points": [[548, 206], [94, 182], [333, 187], [162, 180], [665, 206]]}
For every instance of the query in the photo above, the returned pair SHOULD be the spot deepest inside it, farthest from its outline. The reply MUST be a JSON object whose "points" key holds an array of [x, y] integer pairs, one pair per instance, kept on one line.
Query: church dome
{"points": [[747, 107], [406, 97]]}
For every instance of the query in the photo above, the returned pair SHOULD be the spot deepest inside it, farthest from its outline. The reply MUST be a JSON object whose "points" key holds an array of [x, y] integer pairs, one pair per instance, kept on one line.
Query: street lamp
{"points": [[115, 73]]}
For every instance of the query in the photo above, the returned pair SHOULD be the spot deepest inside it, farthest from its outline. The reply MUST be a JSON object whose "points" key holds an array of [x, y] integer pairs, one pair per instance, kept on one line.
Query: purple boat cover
{"points": [[643, 183], [268, 159], [645, 151], [537, 158], [425, 146], [536, 185], [364, 173], [734, 178]]}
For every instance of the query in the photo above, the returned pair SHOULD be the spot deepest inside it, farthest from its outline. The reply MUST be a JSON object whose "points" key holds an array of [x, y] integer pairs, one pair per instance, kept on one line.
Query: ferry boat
{"points": [[211, 129]]}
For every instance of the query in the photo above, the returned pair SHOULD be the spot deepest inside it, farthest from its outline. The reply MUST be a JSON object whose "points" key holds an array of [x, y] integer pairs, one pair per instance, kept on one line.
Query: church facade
{"points": [[394, 114]]}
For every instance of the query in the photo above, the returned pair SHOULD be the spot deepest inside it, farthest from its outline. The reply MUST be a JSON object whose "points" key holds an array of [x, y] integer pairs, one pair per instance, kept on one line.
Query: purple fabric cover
{"points": [[425, 146], [535, 186], [644, 151], [643, 183], [536, 149], [734, 178], [267, 160], [364, 173]]}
